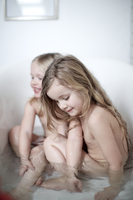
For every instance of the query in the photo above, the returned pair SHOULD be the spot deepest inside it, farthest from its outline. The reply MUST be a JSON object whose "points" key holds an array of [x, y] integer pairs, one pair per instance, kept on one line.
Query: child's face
{"points": [[67, 99], [36, 79]]}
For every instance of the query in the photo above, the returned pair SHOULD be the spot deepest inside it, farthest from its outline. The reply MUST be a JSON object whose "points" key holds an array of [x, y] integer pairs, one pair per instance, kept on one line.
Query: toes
{"points": [[39, 181]]}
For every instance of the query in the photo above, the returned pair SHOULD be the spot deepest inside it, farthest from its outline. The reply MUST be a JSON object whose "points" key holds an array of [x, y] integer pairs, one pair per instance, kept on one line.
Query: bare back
{"points": [[102, 133]]}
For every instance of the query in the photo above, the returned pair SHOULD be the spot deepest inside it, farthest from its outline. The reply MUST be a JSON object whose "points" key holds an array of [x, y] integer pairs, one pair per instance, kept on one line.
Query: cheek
{"points": [[31, 83], [80, 102], [41, 84]]}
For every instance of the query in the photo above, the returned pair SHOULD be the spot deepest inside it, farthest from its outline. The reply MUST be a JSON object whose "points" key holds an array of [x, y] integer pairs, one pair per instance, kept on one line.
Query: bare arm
{"points": [[102, 131], [61, 128], [26, 131], [74, 145]]}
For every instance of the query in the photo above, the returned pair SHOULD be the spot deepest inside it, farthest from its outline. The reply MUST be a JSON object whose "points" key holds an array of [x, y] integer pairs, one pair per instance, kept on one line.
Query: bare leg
{"points": [[14, 139], [92, 167], [56, 154], [96, 169], [38, 159]]}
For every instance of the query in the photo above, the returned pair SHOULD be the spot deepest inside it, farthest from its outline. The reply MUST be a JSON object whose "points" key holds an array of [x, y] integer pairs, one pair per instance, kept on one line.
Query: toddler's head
{"points": [[39, 66], [71, 73]]}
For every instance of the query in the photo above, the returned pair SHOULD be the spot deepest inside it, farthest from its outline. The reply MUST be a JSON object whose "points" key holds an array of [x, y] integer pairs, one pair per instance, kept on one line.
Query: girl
{"points": [[33, 161], [78, 98]]}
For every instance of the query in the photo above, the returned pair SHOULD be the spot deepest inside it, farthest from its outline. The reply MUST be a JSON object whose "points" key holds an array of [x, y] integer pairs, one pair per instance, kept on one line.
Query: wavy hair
{"points": [[72, 73], [43, 61]]}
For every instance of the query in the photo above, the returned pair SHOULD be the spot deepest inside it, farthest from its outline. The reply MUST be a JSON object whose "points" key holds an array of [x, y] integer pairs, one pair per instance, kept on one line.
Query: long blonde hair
{"points": [[72, 73], [43, 61]]}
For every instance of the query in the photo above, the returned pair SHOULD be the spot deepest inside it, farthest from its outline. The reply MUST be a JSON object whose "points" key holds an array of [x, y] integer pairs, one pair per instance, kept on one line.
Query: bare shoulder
{"points": [[29, 111], [98, 115], [31, 106], [28, 105]]}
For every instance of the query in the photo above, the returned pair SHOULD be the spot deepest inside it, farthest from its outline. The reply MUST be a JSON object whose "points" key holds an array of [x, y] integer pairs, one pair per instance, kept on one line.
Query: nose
{"points": [[34, 81], [62, 105]]}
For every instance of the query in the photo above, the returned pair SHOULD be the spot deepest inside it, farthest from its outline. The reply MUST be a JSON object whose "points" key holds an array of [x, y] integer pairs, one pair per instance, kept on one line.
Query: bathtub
{"points": [[116, 77]]}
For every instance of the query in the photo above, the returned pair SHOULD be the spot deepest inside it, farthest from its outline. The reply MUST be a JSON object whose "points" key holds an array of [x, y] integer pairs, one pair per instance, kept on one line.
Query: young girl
{"points": [[78, 98], [33, 161]]}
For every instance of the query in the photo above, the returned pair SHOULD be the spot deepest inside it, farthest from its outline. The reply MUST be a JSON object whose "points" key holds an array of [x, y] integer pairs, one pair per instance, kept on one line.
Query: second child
{"points": [[78, 98]]}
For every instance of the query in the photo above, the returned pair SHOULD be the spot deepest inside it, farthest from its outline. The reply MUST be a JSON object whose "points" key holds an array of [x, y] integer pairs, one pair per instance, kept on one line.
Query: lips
{"points": [[36, 90], [70, 110]]}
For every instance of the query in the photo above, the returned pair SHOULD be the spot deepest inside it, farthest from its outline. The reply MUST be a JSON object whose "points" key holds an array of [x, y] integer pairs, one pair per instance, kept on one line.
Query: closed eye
{"points": [[66, 98]]}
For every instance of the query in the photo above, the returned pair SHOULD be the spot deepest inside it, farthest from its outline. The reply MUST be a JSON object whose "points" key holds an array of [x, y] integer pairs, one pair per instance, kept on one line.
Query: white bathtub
{"points": [[116, 78]]}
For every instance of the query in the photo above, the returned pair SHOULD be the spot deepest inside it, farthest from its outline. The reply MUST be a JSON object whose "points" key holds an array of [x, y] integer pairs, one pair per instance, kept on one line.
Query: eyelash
{"points": [[38, 78], [66, 98]]}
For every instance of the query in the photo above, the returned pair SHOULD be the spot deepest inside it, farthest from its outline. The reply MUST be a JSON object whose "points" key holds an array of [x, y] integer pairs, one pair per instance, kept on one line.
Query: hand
{"points": [[74, 185], [109, 193], [25, 163]]}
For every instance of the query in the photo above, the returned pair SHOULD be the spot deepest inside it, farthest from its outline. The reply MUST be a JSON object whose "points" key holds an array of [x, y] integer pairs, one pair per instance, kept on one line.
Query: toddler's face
{"points": [[36, 79], [67, 99]]}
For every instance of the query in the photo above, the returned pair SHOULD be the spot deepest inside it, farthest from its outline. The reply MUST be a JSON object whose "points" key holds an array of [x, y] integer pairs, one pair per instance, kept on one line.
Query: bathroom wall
{"points": [[84, 28], [131, 60]]}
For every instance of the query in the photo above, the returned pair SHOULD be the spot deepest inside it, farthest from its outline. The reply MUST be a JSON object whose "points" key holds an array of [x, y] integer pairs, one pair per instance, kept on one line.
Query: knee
{"points": [[47, 142], [37, 157], [14, 135], [36, 151], [52, 140]]}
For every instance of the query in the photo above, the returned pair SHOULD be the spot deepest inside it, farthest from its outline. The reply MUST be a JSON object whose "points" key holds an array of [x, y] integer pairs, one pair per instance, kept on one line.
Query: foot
{"points": [[109, 193], [39, 181], [63, 183]]}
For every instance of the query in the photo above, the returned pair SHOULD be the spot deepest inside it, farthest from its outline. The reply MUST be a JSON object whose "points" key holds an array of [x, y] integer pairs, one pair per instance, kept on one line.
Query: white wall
{"points": [[85, 28], [132, 34]]}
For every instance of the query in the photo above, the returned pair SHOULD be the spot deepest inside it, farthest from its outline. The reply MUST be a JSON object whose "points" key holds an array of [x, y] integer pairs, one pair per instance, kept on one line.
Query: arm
{"points": [[61, 128], [101, 130], [74, 145], [25, 139]]}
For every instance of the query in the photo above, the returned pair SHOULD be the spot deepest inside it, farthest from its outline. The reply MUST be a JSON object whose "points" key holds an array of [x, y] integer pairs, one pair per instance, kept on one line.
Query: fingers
{"points": [[26, 163], [74, 185], [22, 170], [39, 181], [24, 167], [79, 186], [30, 165]]}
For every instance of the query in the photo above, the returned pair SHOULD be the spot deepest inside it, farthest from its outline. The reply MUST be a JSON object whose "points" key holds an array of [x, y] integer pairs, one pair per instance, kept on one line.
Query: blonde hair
{"points": [[43, 61], [71, 73]]}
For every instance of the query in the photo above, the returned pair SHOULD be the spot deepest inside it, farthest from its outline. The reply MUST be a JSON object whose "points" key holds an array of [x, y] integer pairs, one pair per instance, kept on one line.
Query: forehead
{"points": [[56, 90], [36, 68]]}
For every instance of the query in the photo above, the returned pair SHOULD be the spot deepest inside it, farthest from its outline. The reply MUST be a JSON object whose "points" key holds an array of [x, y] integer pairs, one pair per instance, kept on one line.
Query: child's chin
{"points": [[37, 96]]}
